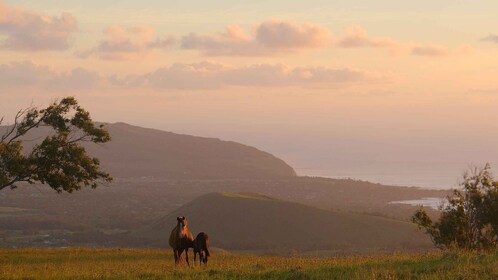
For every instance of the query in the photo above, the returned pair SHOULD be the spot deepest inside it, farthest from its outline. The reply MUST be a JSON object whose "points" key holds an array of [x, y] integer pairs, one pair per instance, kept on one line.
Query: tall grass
{"points": [[87, 263]]}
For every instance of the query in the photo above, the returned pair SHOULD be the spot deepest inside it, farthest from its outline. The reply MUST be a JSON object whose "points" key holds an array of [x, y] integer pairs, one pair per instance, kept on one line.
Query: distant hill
{"points": [[142, 152], [239, 221]]}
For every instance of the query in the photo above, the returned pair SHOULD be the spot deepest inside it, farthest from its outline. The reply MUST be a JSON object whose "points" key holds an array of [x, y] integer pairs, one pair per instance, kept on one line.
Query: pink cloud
{"points": [[281, 75], [357, 37], [233, 42], [268, 38], [121, 43], [181, 76], [275, 34], [208, 75], [431, 50], [29, 74], [440, 51], [30, 31], [491, 38], [195, 76]]}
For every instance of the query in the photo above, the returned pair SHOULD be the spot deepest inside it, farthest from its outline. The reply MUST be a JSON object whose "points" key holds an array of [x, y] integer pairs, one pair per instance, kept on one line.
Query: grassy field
{"points": [[86, 263]]}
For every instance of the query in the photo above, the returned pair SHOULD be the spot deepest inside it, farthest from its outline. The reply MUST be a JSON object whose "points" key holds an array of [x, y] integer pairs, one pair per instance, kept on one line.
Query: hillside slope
{"points": [[239, 221], [142, 152]]}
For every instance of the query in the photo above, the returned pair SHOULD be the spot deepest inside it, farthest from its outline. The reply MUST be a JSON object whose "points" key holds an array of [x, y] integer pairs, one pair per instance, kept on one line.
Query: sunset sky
{"points": [[384, 88]]}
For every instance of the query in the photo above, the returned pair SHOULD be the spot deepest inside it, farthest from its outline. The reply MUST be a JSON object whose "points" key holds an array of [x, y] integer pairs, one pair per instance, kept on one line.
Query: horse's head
{"points": [[182, 222]]}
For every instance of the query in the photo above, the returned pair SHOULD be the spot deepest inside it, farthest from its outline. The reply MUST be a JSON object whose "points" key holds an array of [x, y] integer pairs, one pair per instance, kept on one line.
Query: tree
{"points": [[469, 219], [59, 160]]}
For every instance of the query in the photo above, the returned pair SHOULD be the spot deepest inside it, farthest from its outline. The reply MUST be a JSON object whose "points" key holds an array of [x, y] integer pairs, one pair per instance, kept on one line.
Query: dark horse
{"points": [[201, 246], [180, 239]]}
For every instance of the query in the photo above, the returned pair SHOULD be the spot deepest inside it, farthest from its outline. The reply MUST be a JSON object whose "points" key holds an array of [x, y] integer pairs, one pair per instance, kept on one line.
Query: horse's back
{"points": [[201, 241], [206, 238], [203, 236]]}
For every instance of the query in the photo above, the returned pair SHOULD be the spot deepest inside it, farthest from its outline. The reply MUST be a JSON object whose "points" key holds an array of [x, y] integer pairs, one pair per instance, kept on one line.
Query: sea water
{"points": [[424, 175]]}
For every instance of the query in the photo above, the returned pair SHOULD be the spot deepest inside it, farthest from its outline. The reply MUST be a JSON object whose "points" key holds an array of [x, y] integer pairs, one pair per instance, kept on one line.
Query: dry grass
{"points": [[87, 263]]}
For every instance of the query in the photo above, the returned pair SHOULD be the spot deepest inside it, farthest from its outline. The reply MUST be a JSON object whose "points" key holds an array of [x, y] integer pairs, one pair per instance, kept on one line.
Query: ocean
{"points": [[430, 175]]}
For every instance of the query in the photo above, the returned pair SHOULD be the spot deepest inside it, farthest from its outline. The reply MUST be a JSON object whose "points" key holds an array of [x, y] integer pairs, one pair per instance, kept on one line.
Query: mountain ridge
{"points": [[136, 151]]}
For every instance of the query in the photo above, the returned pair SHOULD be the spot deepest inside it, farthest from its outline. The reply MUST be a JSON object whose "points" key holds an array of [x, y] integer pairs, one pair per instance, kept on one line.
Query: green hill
{"points": [[247, 221]]}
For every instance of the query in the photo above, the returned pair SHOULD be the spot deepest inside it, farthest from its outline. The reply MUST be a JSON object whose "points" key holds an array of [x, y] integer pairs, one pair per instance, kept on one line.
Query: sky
{"points": [[400, 92]]}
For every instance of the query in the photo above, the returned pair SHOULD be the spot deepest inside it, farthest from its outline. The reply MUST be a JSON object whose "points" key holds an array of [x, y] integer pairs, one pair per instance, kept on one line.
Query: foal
{"points": [[201, 246], [180, 239]]}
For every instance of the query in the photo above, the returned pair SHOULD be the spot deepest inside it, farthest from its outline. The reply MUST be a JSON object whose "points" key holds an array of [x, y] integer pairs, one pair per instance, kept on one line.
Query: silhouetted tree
{"points": [[60, 160], [469, 220]]}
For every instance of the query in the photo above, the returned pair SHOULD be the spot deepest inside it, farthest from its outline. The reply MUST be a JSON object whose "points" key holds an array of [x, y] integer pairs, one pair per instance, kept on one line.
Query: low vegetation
{"points": [[468, 220], [86, 263]]}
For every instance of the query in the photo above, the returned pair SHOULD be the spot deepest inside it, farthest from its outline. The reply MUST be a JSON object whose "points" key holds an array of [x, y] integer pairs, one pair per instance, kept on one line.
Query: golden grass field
{"points": [[87, 263]]}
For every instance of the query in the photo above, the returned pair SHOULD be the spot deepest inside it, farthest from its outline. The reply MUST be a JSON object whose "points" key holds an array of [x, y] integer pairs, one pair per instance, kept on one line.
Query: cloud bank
{"points": [[122, 43], [268, 38], [196, 76], [491, 38], [357, 37], [28, 74], [30, 31], [431, 50], [208, 75]]}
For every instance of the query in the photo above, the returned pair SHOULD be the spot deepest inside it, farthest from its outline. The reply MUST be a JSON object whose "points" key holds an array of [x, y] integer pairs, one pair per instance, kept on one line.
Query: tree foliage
{"points": [[469, 219], [59, 160]]}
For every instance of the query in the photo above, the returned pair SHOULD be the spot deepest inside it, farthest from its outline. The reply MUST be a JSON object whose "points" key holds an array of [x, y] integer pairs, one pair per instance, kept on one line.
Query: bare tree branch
{"points": [[14, 126]]}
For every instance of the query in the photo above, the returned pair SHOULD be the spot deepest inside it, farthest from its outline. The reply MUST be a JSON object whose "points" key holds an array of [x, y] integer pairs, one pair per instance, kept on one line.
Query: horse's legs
{"points": [[195, 255], [180, 255], [186, 256], [206, 258], [175, 254], [201, 257]]}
